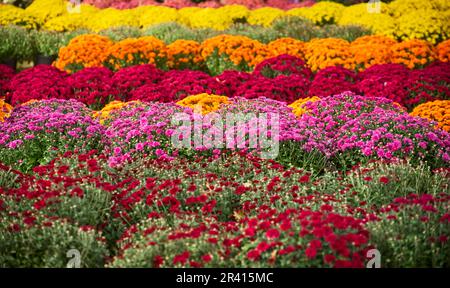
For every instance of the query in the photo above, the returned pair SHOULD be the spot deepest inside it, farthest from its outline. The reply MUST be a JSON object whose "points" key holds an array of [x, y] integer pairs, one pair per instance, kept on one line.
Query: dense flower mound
{"points": [[282, 88], [134, 51], [203, 212], [40, 82], [232, 80], [371, 50], [408, 88], [204, 103], [400, 19], [93, 86], [6, 74], [333, 80], [176, 85], [438, 111], [84, 51], [321, 53], [412, 53], [128, 79], [142, 129], [283, 65], [443, 51], [105, 114], [225, 52], [237, 52], [39, 130], [185, 54], [349, 126], [286, 46], [298, 106]]}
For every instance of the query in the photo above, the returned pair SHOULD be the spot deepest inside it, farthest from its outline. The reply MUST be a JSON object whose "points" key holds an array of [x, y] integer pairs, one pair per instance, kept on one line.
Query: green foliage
{"points": [[262, 34], [413, 239], [170, 32], [348, 32], [47, 245], [47, 43], [121, 33], [8, 179], [16, 43], [291, 154]]}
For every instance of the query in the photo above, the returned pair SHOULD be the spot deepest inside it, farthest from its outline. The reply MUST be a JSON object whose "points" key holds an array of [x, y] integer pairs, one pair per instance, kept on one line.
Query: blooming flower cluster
{"points": [[83, 51], [225, 52], [229, 151], [401, 19], [6, 74], [39, 82], [204, 103], [204, 212], [369, 126], [438, 111], [283, 78], [5, 110], [38, 130]]}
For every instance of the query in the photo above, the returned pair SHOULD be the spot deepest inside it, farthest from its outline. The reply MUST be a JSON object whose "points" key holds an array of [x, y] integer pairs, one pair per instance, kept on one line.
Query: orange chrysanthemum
{"points": [[289, 46], [243, 53], [438, 111], [322, 53], [83, 51], [412, 53], [134, 51], [5, 110], [371, 50], [443, 51], [184, 54]]}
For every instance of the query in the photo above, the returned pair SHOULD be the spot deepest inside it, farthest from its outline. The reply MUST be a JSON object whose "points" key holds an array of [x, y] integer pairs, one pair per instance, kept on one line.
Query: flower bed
{"points": [[283, 142], [225, 52], [397, 19], [201, 211], [283, 78]]}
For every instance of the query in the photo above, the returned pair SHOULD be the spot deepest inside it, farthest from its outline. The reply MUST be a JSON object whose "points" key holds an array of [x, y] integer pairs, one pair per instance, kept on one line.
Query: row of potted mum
{"points": [[20, 45]]}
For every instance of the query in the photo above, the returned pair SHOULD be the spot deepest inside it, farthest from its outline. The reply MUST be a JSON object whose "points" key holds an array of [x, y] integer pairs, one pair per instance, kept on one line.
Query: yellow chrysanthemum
{"points": [[265, 16], [298, 106], [379, 23], [400, 7], [11, 15], [186, 14], [44, 10], [321, 13], [429, 25], [156, 15], [204, 103], [108, 18], [104, 114]]}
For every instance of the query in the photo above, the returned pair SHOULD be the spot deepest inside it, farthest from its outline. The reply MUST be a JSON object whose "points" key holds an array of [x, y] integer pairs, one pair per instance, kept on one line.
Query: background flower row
{"points": [[283, 78], [402, 19], [241, 53]]}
